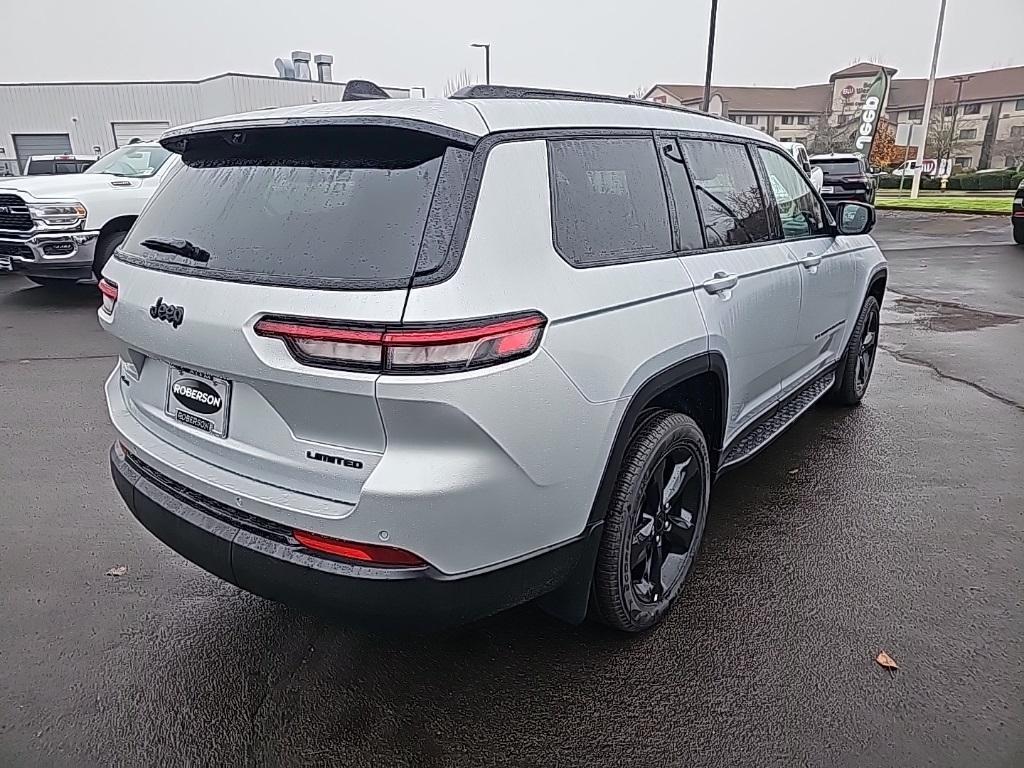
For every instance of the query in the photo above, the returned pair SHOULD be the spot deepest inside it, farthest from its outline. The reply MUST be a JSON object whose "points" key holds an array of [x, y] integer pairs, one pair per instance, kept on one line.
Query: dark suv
{"points": [[846, 177]]}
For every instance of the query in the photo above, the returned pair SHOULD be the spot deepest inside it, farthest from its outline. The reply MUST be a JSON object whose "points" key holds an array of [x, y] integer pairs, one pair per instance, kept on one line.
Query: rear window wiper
{"points": [[177, 247]]}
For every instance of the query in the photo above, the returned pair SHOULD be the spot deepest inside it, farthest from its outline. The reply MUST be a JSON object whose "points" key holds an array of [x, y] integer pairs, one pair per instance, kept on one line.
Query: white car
{"points": [[45, 165], [59, 229], [798, 152]]}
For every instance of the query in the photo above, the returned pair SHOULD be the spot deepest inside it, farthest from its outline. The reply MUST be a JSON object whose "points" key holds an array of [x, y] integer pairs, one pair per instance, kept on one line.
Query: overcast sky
{"points": [[612, 46]]}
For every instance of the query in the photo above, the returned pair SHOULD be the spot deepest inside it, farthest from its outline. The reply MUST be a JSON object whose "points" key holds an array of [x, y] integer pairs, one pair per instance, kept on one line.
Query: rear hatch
{"points": [[313, 222], [844, 175]]}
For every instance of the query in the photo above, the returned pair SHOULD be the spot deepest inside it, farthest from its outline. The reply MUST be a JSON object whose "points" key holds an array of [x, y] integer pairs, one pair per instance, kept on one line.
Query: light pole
{"points": [[711, 56], [956, 107], [923, 141], [487, 59]]}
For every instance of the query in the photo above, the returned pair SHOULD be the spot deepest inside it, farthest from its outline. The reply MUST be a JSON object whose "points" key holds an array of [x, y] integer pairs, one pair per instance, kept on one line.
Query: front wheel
{"points": [[105, 246], [654, 523], [859, 361]]}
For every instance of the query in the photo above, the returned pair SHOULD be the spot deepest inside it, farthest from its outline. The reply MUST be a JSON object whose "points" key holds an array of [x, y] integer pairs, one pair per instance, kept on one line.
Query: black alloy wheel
{"points": [[868, 348], [854, 372], [661, 547], [654, 522]]}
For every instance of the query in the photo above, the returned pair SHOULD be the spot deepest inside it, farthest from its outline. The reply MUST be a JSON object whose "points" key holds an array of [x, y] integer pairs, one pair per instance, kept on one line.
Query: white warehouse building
{"points": [[94, 118]]}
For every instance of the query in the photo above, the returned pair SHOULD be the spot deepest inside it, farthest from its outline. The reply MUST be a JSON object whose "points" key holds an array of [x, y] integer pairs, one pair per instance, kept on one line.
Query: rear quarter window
{"points": [[609, 202]]}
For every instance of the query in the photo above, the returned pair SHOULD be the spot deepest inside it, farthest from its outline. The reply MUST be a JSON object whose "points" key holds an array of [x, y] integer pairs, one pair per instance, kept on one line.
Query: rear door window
{"points": [[727, 192], [343, 207], [687, 218], [609, 200]]}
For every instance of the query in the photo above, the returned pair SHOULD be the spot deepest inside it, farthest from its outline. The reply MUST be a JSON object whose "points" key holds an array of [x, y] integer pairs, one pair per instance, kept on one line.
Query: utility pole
{"points": [[711, 56], [915, 189], [487, 59], [956, 108]]}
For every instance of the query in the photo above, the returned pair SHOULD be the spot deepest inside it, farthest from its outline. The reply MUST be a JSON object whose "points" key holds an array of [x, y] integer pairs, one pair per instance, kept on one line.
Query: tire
{"points": [[668, 451], [859, 359], [54, 283], [1018, 233], [105, 248]]}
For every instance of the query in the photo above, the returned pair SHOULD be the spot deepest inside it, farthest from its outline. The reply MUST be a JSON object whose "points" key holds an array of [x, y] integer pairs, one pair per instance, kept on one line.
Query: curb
{"points": [[940, 209]]}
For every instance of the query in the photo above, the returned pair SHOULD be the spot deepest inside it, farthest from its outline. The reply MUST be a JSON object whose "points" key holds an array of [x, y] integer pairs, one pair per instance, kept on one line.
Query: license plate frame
{"points": [[200, 401]]}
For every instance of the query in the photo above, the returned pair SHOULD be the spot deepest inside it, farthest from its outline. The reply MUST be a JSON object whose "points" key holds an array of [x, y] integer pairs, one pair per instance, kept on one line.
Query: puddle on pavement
{"points": [[946, 316]]}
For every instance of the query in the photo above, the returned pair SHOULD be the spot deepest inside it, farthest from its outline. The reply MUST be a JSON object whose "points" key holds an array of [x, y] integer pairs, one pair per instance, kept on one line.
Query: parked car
{"points": [[798, 152], [57, 229], [416, 362], [929, 167], [1017, 217], [45, 165], [846, 178]]}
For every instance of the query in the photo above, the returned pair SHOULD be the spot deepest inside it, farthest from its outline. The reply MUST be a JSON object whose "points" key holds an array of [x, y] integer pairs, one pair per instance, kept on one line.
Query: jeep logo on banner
{"points": [[870, 113]]}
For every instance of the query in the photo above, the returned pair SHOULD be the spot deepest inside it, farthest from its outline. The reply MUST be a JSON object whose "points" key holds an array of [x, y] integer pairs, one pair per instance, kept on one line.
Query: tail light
{"points": [[408, 349], [369, 554], [109, 292]]}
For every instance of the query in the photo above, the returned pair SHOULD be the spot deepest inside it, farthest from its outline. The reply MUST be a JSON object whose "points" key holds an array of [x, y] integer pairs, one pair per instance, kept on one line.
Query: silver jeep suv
{"points": [[416, 362]]}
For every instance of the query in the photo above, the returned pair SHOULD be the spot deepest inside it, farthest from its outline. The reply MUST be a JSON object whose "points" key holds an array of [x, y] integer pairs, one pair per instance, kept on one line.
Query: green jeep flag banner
{"points": [[870, 113]]}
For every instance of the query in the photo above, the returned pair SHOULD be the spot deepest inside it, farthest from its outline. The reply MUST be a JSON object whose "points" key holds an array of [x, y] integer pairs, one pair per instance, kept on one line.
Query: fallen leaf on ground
{"points": [[118, 570], [885, 660]]}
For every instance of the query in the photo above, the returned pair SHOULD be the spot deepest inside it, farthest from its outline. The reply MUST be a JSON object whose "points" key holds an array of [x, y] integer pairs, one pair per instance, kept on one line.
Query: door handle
{"points": [[810, 260], [722, 281]]}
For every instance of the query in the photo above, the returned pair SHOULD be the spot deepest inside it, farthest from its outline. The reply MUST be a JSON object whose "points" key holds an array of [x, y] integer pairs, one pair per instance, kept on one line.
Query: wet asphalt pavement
{"points": [[897, 526]]}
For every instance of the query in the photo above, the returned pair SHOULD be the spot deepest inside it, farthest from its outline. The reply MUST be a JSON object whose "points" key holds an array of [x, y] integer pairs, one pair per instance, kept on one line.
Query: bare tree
{"points": [[1012, 148], [638, 92], [454, 84], [832, 132], [942, 141]]}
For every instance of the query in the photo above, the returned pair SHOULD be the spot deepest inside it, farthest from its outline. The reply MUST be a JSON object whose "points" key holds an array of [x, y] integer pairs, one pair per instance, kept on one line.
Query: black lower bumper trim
{"points": [[276, 567]]}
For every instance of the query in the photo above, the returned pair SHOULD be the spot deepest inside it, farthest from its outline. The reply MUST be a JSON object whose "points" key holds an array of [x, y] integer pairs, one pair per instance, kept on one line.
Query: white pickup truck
{"points": [[57, 230]]}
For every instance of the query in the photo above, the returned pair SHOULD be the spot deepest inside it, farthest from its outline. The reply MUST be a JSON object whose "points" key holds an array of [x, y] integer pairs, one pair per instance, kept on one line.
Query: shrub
{"points": [[954, 182], [931, 183], [1016, 179], [994, 180], [969, 182]]}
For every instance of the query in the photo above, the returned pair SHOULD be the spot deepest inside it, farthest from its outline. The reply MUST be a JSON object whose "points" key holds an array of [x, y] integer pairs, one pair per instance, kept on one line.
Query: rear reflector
{"points": [[368, 554], [109, 293], [435, 348]]}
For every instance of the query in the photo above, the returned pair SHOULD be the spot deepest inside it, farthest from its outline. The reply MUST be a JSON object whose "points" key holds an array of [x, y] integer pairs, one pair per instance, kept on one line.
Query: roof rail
{"points": [[519, 92]]}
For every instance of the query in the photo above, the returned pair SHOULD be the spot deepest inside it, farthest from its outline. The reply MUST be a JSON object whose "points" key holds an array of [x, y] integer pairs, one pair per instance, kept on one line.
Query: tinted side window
{"points": [[727, 192], [798, 207], [690, 238], [609, 200]]}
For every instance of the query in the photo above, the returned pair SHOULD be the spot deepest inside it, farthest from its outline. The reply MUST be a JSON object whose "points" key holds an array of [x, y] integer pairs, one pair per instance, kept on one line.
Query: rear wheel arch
{"points": [[697, 386]]}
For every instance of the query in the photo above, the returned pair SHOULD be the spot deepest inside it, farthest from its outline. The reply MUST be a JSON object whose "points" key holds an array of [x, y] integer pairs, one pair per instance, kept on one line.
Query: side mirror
{"points": [[854, 218]]}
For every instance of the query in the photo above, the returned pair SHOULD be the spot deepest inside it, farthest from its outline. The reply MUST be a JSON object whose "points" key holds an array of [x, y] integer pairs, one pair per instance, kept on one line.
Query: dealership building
{"points": [[94, 118], [988, 129]]}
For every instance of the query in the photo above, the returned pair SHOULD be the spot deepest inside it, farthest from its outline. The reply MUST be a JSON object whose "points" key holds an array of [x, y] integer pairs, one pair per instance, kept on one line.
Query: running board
{"points": [[776, 422]]}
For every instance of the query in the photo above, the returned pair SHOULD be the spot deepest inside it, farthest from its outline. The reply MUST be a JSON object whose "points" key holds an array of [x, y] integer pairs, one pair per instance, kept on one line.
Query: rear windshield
{"points": [[849, 167], [304, 206]]}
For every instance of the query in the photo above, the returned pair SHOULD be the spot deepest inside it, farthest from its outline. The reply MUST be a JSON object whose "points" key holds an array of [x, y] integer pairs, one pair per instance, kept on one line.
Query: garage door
{"points": [[125, 132], [28, 144]]}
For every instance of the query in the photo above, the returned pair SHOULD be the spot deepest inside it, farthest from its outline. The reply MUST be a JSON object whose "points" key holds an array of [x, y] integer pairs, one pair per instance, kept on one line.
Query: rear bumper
{"points": [[263, 558]]}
